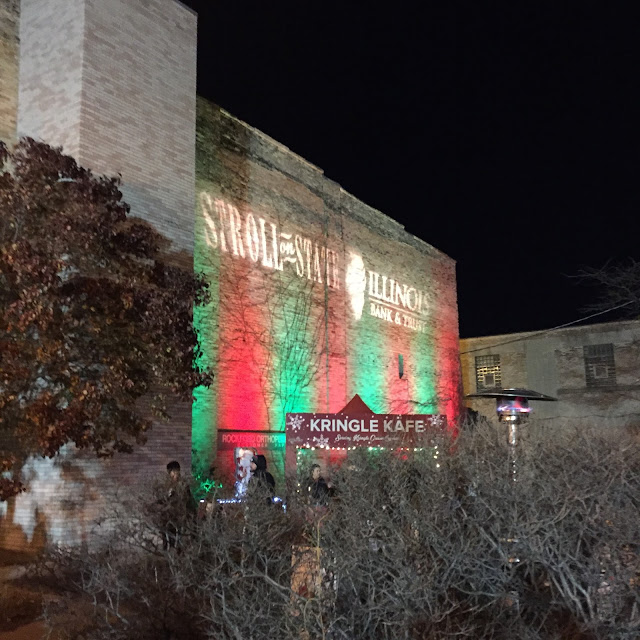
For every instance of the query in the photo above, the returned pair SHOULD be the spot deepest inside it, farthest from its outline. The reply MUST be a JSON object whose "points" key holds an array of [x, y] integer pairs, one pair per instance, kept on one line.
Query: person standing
{"points": [[317, 488], [177, 505], [260, 478]]}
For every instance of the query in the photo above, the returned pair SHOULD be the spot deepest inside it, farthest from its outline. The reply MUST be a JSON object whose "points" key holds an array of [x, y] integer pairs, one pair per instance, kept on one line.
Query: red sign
{"points": [[259, 440], [341, 430]]}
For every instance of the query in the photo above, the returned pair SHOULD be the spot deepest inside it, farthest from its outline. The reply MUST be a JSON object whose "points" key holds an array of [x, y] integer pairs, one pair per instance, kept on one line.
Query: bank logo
{"points": [[388, 299], [356, 284]]}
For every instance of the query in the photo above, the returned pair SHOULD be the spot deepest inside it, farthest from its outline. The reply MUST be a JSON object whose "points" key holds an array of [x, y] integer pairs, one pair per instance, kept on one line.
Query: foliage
{"points": [[93, 316], [406, 549]]}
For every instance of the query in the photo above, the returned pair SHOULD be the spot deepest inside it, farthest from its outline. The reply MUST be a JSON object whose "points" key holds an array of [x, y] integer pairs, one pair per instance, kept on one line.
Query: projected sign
{"points": [[388, 299], [252, 237], [248, 236]]}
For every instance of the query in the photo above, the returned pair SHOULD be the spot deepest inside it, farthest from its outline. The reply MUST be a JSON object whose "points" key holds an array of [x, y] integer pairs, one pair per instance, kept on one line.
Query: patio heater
{"points": [[512, 407]]}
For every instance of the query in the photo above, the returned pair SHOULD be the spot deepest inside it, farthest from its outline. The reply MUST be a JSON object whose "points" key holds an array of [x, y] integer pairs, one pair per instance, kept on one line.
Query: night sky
{"points": [[505, 136]]}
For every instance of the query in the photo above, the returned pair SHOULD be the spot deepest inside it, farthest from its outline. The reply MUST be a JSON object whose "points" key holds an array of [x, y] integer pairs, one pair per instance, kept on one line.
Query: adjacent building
{"points": [[592, 370]]}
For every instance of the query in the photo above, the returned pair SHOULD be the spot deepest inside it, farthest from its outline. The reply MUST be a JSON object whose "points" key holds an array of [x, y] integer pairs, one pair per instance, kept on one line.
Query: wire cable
{"points": [[540, 333]]}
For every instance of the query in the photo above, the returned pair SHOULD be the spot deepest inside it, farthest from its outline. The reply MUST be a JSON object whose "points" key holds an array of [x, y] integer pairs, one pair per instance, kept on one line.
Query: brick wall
{"points": [[9, 42], [114, 83], [245, 178], [138, 107], [69, 497], [51, 53]]}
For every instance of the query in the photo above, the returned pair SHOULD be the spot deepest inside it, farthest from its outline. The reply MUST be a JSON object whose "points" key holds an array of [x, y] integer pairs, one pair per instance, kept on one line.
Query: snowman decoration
{"points": [[243, 459]]}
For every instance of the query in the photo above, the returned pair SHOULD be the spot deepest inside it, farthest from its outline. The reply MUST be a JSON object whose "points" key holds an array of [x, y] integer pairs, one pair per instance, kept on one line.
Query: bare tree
{"points": [[414, 544], [618, 287]]}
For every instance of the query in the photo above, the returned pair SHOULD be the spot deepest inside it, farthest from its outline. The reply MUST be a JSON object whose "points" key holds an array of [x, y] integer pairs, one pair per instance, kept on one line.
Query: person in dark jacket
{"points": [[317, 488], [177, 505], [260, 477]]}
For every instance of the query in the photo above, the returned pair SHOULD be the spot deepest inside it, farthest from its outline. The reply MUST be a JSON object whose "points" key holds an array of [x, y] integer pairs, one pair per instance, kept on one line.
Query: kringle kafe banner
{"points": [[330, 430]]}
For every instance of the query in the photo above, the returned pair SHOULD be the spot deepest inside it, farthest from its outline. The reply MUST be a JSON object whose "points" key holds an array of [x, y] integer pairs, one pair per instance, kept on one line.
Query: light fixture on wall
{"points": [[512, 407]]}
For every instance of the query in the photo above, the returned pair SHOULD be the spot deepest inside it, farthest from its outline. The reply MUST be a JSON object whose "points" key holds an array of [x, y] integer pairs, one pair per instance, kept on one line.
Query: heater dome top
{"points": [[512, 393]]}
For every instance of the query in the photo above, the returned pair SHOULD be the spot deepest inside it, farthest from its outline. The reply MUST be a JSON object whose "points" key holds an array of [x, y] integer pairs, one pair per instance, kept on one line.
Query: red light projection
{"points": [[241, 352]]}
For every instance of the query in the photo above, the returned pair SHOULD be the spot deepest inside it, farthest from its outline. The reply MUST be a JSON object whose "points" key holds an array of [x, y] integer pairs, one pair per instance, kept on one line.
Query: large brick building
{"points": [[316, 296]]}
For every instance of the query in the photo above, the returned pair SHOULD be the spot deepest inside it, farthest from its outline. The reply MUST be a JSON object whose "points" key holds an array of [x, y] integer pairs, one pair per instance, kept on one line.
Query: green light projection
{"points": [[423, 388], [367, 363], [297, 332], [424, 382], [204, 408]]}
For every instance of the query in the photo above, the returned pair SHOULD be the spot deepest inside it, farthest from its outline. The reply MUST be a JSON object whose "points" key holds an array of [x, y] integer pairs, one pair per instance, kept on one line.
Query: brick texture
{"points": [[69, 496], [138, 107], [554, 363], [9, 43], [51, 53], [114, 84]]}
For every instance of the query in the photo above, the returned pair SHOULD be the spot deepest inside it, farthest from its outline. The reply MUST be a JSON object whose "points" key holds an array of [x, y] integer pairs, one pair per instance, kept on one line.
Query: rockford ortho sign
{"points": [[327, 430]]}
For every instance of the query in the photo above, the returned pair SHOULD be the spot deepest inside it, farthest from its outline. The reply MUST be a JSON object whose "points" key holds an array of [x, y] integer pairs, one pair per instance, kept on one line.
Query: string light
{"points": [[300, 448]]}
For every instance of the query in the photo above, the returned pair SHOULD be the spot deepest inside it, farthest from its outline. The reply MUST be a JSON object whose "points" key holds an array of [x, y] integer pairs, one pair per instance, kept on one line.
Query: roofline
{"points": [[265, 136], [189, 9], [544, 331]]}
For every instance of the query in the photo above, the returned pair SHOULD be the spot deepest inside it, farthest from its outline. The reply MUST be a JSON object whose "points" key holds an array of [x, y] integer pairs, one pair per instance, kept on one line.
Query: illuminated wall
{"points": [[316, 297]]}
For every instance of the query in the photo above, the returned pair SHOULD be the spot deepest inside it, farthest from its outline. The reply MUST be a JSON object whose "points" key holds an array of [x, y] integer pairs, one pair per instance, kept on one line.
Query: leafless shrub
{"points": [[411, 546]]}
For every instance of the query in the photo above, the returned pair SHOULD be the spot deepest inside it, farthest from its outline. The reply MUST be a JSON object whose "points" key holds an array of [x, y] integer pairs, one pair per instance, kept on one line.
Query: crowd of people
{"points": [[176, 501]]}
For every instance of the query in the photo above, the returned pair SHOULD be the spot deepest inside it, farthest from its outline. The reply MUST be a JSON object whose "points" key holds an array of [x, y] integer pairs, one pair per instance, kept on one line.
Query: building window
{"points": [[599, 365], [488, 374]]}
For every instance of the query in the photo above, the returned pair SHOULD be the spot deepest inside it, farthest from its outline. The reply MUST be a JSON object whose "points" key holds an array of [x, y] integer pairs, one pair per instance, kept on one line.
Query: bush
{"points": [[411, 546]]}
